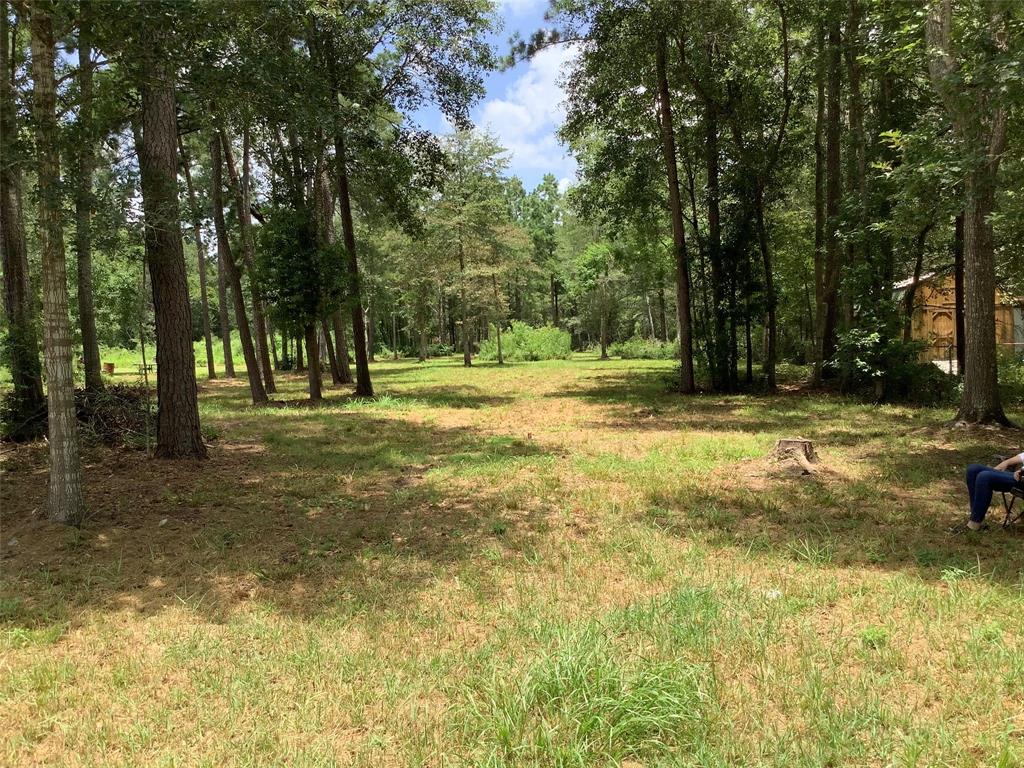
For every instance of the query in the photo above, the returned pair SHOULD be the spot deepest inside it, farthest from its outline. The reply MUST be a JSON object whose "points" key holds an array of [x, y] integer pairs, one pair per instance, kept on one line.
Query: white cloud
{"points": [[520, 7], [530, 112]]}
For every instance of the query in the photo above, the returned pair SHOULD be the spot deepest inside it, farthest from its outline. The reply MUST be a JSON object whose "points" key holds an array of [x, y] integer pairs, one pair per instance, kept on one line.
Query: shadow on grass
{"points": [[326, 513], [895, 517]]}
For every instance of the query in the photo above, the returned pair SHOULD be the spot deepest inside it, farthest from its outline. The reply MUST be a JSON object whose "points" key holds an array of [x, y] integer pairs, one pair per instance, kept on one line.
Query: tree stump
{"points": [[796, 449]]}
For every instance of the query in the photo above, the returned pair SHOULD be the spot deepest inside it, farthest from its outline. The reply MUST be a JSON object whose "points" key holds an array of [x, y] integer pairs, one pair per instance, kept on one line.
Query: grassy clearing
{"points": [[552, 564]]}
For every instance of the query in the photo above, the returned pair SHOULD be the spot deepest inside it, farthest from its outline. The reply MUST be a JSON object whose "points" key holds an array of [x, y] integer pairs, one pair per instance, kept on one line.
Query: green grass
{"points": [[558, 563]]}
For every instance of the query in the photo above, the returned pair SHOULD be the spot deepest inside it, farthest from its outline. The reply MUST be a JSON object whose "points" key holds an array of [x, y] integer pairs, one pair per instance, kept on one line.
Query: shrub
{"points": [[1011, 378], [441, 350], [891, 369], [524, 342], [637, 348]]}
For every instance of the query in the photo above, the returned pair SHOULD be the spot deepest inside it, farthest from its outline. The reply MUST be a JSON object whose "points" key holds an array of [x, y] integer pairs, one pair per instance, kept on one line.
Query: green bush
{"points": [[637, 348], [440, 350], [524, 342], [1011, 378], [891, 369]]}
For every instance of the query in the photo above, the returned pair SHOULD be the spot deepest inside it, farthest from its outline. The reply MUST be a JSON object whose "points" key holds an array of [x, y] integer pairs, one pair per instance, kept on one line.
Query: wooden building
{"points": [[934, 317]]}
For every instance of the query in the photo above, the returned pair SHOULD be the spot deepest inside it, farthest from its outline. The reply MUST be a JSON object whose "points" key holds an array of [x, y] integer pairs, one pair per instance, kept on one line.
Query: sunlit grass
{"points": [[546, 564]]}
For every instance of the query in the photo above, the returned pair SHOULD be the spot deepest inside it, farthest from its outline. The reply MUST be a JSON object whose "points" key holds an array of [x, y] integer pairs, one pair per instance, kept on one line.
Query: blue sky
{"points": [[522, 106]]}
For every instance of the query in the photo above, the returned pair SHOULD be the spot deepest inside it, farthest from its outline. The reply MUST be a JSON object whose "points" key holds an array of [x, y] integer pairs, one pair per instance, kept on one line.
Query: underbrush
{"points": [[524, 342], [1011, 379], [637, 348], [120, 416]]}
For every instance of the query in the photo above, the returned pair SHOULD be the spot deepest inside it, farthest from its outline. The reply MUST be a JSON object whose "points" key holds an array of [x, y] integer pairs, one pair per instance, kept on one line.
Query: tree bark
{"points": [[197, 233], [832, 267], [467, 359], [771, 324], [313, 369], [177, 432], [22, 341], [341, 347], [371, 329], [256, 388], [222, 314], [819, 206], [910, 296], [84, 202], [272, 335], [662, 319], [364, 387], [683, 312], [64, 500], [958, 289], [240, 190], [332, 356], [981, 402]]}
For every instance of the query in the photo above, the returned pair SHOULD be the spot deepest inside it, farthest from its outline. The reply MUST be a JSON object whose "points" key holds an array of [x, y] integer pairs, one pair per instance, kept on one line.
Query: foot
{"points": [[968, 526]]}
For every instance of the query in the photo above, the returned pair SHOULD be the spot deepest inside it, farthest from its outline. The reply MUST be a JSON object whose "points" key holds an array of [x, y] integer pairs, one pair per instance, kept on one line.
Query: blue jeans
{"points": [[982, 482]]}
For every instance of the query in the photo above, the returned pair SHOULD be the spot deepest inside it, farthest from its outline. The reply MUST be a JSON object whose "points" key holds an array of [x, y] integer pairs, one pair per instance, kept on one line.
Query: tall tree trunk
{"points": [[683, 316], [332, 356], [498, 318], [273, 346], [313, 355], [771, 324], [910, 296], [177, 429], [84, 201], [467, 358], [22, 343], [64, 500], [819, 206], [857, 172], [719, 282], [300, 364], [222, 315], [833, 196], [958, 290], [980, 402], [197, 234], [662, 319], [227, 259], [371, 328], [604, 330], [341, 347], [240, 189], [364, 387]]}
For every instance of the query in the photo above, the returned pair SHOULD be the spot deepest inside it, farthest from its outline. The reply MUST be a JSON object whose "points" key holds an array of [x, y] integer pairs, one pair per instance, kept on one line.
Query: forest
{"points": [[335, 432]]}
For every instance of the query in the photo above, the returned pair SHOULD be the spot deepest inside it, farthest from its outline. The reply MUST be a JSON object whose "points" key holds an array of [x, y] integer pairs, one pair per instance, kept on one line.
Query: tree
{"points": [[84, 199], [232, 273], [22, 340], [197, 235], [971, 67], [64, 500]]}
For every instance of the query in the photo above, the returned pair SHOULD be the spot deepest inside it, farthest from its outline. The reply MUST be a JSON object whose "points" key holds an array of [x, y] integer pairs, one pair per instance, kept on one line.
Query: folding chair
{"points": [[1014, 511]]}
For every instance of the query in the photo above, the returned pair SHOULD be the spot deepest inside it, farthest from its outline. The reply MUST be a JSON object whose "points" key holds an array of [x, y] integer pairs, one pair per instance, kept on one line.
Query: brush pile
{"points": [[119, 416]]}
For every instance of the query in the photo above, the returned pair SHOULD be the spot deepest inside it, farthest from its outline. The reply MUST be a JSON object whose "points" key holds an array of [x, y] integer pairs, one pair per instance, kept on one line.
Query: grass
{"points": [[549, 564]]}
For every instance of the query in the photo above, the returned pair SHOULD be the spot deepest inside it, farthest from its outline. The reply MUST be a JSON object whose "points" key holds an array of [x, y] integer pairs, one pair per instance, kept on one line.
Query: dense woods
{"points": [[754, 179]]}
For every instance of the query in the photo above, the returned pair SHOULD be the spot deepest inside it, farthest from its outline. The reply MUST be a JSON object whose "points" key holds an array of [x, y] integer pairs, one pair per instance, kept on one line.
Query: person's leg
{"points": [[972, 474], [985, 484]]}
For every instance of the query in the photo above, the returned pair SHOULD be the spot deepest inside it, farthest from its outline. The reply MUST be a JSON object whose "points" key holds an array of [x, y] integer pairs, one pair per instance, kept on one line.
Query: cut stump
{"points": [[796, 449]]}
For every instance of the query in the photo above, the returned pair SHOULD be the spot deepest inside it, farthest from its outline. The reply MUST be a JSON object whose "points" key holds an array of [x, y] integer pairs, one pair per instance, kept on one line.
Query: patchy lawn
{"points": [[551, 564]]}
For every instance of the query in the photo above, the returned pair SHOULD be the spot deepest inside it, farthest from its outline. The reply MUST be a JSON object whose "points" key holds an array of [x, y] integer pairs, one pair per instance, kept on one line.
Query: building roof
{"points": [[902, 285]]}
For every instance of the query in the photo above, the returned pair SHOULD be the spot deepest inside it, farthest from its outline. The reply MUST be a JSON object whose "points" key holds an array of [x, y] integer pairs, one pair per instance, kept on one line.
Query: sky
{"points": [[523, 106]]}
